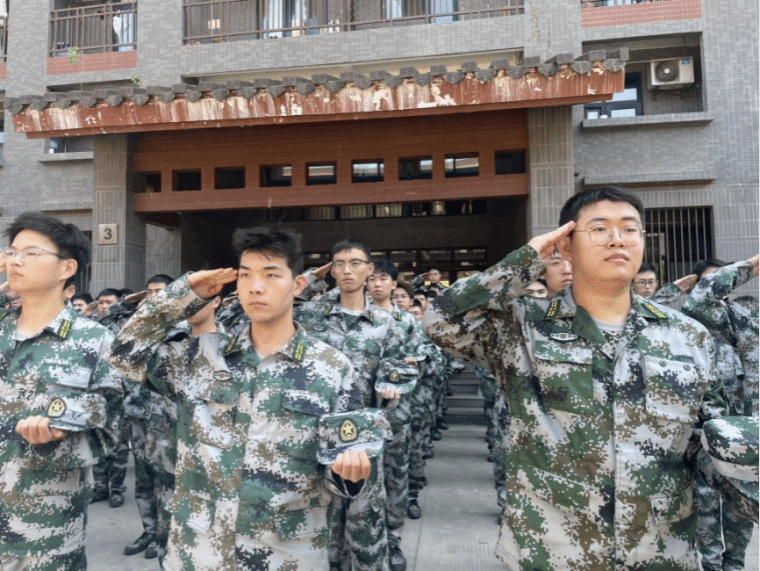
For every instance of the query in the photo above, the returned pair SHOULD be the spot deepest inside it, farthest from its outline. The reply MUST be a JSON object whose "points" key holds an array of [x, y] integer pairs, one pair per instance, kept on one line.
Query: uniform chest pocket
{"points": [[301, 411], [564, 374], [672, 390], [213, 416]]}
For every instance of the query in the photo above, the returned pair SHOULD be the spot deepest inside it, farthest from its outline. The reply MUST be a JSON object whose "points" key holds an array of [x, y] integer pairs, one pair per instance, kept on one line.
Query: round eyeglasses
{"points": [[603, 235], [28, 254]]}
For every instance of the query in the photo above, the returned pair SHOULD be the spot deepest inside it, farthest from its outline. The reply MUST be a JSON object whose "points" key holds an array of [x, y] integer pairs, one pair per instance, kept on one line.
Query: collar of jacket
{"points": [[294, 349]]}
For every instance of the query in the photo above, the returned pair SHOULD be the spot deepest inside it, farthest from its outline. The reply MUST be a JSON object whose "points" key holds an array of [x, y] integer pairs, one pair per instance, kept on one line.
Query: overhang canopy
{"points": [[561, 80]]}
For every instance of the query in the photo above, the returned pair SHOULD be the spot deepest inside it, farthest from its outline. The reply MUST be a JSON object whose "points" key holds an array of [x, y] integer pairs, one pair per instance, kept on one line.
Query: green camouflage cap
{"points": [[361, 430], [74, 411], [732, 443], [389, 377]]}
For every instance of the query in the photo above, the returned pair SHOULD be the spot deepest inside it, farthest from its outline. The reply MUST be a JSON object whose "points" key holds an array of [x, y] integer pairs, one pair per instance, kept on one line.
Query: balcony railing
{"points": [[227, 20], [597, 3], [93, 29], [3, 37]]}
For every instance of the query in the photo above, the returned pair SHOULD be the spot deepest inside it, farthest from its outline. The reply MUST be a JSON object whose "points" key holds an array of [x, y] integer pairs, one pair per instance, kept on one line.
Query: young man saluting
{"points": [[250, 492], [605, 391]]}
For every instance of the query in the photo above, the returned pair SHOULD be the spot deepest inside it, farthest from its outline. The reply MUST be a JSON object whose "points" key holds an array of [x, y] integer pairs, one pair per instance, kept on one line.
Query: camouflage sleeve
{"points": [[667, 294], [418, 282], [706, 305], [117, 314], [92, 418], [230, 315], [393, 371], [314, 286], [138, 341], [453, 319]]}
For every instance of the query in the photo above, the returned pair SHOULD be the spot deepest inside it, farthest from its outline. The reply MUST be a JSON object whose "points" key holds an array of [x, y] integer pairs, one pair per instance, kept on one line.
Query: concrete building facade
{"points": [[687, 142]]}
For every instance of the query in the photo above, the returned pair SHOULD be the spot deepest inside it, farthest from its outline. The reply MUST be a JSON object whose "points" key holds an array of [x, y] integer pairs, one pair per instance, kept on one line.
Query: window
{"points": [[389, 210], [510, 162], [367, 171], [186, 180], [676, 239], [319, 213], [321, 174], [415, 168], [461, 165], [279, 175], [627, 103], [356, 211], [148, 182], [70, 145], [229, 177]]}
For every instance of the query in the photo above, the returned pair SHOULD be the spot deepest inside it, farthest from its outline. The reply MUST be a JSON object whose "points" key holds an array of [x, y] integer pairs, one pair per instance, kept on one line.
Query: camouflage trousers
{"points": [[715, 517], [146, 477], [396, 467], [500, 420], [73, 561], [419, 443], [358, 536], [111, 471]]}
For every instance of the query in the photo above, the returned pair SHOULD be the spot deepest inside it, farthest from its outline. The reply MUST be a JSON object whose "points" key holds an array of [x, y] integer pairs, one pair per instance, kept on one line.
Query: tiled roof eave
{"points": [[559, 81]]}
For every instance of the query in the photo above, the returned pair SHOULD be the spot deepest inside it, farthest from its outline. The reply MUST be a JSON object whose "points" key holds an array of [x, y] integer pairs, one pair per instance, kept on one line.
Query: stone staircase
{"points": [[465, 406]]}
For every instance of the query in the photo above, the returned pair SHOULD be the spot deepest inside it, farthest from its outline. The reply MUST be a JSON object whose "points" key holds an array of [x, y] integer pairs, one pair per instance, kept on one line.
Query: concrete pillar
{"points": [[550, 152], [122, 264]]}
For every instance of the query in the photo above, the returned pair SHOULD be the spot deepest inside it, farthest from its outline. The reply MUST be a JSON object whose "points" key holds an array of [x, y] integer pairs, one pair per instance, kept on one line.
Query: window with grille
{"points": [[676, 239]]}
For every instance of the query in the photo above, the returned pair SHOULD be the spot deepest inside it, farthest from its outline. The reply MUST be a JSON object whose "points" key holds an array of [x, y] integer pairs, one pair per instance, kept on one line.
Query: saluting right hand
{"points": [[208, 283], [545, 244], [686, 283], [321, 272]]}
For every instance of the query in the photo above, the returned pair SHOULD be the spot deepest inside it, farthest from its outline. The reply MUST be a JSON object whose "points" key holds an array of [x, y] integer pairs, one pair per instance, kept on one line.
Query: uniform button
{"points": [[662, 363], [687, 367]]}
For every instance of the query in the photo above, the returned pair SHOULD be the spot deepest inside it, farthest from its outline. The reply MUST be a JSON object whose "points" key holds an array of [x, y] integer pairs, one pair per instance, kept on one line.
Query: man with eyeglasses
{"points": [[60, 403], [607, 393], [368, 335], [645, 281]]}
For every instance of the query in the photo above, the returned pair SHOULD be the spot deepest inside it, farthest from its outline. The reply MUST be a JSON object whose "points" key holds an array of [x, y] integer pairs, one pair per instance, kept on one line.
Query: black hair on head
{"points": [[407, 288], [386, 267], [110, 291], [572, 208], [416, 303], [270, 242], [84, 296], [542, 281], [351, 244], [126, 291], [700, 267], [159, 279], [646, 267], [431, 294], [69, 240]]}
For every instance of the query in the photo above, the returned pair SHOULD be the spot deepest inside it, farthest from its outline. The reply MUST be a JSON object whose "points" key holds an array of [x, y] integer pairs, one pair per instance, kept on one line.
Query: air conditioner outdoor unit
{"points": [[671, 73]]}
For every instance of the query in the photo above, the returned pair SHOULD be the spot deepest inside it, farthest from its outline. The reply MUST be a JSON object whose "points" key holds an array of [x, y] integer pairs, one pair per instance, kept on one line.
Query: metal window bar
{"points": [[93, 29], [3, 37], [227, 20], [677, 238]]}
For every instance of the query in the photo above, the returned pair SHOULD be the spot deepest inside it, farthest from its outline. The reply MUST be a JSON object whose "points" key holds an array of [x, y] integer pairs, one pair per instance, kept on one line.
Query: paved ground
{"points": [[457, 531]]}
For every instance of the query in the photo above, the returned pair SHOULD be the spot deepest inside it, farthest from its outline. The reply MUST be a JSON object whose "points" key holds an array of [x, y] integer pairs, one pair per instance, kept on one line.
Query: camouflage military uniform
{"points": [[250, 493], [375, 346], [734, 323], [45, 489], [669, 294], [602, 431], [488, 391]]}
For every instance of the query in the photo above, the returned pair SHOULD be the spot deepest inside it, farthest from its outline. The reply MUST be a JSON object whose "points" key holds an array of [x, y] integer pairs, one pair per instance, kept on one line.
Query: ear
{"points": [[395, 285], [299, 284], [563, 245], [69, 268], [217, 301]]}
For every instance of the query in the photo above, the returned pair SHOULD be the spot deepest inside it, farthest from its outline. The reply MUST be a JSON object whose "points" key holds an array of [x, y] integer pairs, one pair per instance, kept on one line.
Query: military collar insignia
{"points": [[63, 330], [328, 309], [553, 310], [56, 408], [3, 314], [648, 305], [371, 316], [348, 431], [563, 337], [299, 351], [231, 346], [397, 315]]}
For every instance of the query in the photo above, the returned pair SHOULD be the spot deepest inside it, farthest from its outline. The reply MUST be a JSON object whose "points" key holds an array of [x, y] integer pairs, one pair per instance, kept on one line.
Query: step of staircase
{"points": [[465, 406]]}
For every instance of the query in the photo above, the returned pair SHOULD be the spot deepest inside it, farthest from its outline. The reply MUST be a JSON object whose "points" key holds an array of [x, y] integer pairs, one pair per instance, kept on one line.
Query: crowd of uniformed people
{"points": [[280, 419]]}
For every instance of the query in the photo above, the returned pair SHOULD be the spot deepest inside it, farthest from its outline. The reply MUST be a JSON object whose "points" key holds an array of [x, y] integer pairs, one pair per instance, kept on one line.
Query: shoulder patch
{"points": [[63, 330], [348, 431], [553, 310], [656, 312]]}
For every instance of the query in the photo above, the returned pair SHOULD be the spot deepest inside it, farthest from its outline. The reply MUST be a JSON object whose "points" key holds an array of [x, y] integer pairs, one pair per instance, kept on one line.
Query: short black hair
{"points": [[700, 267], [159, 279], [431, 294], [270, 241], [407, 288], [419, 291], [416, 303], [386, 267], [110, 291], [434, 268], [646, 267], [69, 240], [351, 244], [84, 296], [578, 202], [542, 281], [126, 291]]}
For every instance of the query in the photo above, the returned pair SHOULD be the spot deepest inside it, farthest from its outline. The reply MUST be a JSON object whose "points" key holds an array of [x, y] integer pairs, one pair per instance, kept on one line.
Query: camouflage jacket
{"points": [[372, 341], [733, 321], [46, 488], [247, 436], [602, 438]]}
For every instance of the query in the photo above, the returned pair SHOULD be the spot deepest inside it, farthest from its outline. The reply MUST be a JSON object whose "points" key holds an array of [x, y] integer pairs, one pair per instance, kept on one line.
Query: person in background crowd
{"points": [[80, 301], [606, 393], [537, 288], [645, 281], [558, 274], [672, 294], [106, 299], [61, 403]]}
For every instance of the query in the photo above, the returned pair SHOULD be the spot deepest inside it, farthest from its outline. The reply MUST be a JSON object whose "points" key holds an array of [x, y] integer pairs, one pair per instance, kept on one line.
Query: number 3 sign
{"points": [[107, 234]]}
